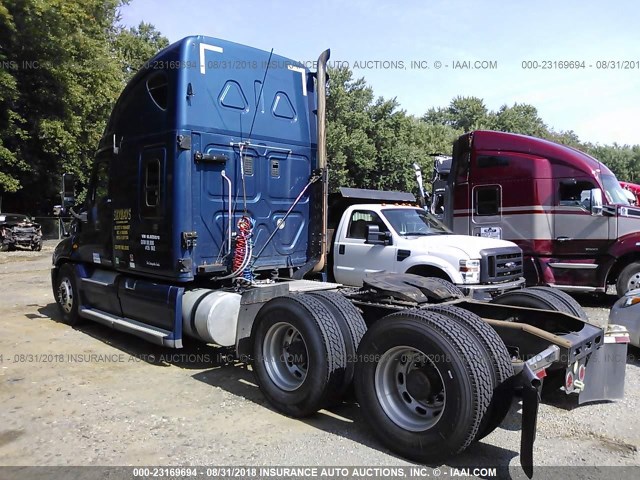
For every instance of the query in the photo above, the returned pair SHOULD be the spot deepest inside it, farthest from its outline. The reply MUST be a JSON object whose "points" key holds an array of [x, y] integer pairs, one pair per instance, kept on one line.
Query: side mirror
{"points": [[68, 190], [376, 237], [596, 202]]}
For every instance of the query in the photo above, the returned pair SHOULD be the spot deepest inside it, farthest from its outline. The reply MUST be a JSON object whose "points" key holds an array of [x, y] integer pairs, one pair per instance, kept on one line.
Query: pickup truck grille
{"points": [[500, 264]]}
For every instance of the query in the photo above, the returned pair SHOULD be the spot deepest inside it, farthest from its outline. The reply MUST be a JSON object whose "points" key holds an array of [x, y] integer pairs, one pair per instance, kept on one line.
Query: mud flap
{"points": [[605, 372], [531, 386]]}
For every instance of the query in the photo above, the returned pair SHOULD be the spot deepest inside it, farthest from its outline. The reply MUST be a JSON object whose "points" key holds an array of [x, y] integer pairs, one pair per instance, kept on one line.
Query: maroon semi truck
{"points": [[564, 208]]}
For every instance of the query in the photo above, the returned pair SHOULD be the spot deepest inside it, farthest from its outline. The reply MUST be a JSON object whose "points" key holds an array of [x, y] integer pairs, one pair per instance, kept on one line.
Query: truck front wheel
{"points": [[65, 291], [299, 354], [423, 384], [628, 279]]}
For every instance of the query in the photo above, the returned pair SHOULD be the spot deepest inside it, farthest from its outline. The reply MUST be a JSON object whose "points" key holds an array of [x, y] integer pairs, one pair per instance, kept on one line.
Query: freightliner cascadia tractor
{"points": [[206, 220]]}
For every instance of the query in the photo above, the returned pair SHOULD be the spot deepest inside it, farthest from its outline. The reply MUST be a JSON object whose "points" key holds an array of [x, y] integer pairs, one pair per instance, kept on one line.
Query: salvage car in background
{"points": [[19, 231], [626, 311]]}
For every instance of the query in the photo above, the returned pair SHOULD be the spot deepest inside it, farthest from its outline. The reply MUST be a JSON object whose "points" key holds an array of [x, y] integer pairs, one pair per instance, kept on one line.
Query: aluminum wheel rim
{"points": [[405, 408], [634, 282], [285, 356], [65, 295]]}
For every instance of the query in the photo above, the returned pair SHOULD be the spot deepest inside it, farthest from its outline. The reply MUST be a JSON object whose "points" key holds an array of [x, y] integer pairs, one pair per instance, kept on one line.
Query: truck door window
{"points": [[359, 221], [575, 193], [100, 190], [151, 201], [152, 183], [487, 200], [99, 193]]}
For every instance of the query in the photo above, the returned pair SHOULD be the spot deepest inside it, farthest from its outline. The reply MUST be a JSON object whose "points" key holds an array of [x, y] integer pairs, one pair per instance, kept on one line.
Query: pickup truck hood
{"points": [[467, 244]]}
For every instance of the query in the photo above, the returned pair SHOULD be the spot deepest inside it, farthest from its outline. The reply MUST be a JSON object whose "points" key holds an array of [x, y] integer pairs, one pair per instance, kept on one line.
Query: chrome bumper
{"points": [[490, 288]]}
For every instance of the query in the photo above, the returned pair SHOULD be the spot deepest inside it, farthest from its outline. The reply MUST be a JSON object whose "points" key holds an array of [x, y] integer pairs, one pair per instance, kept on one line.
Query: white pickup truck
{"points": [[395, 235]]}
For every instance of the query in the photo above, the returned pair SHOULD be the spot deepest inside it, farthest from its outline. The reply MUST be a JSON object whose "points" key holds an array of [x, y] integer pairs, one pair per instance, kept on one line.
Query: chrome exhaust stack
{"points": [[321, 115]]}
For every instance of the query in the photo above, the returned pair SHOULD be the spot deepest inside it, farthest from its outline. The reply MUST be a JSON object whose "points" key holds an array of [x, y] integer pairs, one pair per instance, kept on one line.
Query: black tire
{"points": [[575, 308], [65, 292], [4, 248], [351, 325], [532, 298], [628, 279], [451, 288], [465, 387], [536, 297], [496, 355], [317, 384], [36, 247]]}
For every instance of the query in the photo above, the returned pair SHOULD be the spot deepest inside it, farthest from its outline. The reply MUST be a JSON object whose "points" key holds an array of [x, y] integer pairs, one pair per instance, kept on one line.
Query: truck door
{"points": [[95, 243], [95, 236], [579, 238], [353, 258]]}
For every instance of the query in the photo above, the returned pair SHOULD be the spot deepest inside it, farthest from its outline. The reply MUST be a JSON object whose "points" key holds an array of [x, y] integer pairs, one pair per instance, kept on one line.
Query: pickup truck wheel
{"points": [[532, 298], [628, 279], [496, 355], [66, 294], [351, 325], [565, 298], [422, 383], [299, 354]]}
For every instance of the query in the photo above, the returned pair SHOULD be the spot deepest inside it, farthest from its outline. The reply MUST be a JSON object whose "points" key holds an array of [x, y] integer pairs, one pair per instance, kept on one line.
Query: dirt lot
{"points": [[92, 396]]}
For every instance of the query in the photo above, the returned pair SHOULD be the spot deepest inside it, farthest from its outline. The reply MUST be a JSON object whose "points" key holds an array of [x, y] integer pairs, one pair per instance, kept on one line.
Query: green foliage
{"points": [[136, 45], [463, 113], [371, 143], [66, 64], [469, 113], [520, 118]]}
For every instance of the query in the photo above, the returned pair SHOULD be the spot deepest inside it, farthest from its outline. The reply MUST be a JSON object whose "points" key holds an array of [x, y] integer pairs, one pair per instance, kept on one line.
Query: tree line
{"points": [[373, 143], [64, 63]]}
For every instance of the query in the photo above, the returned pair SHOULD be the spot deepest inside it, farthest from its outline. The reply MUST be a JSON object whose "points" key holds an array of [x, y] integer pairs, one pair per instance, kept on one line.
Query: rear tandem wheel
{"points": [[423, 384], [299, 354]]}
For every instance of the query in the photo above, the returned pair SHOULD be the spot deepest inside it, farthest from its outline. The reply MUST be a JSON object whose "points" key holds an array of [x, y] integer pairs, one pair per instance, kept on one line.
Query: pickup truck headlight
{"points": [[631, 301], [470, 270]]}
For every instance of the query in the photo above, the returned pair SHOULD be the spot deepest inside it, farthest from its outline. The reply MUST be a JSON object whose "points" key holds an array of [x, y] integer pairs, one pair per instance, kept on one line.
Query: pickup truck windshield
{"points": [[613, 190], [414, 221]]}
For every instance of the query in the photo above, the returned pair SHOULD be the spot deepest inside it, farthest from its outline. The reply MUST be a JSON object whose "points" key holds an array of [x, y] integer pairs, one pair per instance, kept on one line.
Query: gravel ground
{"points": [[92, 396]]}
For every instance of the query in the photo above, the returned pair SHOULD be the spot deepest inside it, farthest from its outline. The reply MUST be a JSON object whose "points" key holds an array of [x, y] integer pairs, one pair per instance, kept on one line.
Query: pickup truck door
{"points": [[353, 258]]}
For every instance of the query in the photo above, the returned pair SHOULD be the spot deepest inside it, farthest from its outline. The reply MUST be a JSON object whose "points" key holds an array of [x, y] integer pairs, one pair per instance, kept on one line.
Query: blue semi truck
{"points": [[206, 220]]}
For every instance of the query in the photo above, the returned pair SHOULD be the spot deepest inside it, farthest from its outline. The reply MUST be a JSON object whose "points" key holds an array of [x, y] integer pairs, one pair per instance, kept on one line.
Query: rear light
{"points": [[582, 370], [568, 381], [541, 373]]}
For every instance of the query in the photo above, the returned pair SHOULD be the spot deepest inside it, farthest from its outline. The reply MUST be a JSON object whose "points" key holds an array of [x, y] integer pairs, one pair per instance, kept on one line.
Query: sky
{"points": [[390, 44]]}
